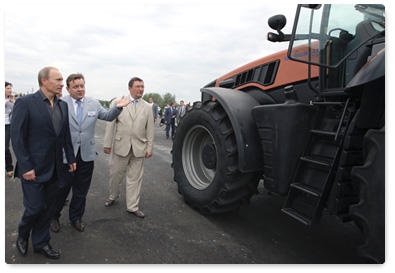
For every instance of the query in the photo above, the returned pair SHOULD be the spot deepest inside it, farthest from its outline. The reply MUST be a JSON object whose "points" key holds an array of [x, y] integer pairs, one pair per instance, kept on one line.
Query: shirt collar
{"points": [[55, 100], [74, 100], [132, 99]]}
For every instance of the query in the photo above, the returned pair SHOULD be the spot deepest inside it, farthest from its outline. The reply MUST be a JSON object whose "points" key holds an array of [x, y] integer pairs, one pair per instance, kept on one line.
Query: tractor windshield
{"points": [[331, 31]]}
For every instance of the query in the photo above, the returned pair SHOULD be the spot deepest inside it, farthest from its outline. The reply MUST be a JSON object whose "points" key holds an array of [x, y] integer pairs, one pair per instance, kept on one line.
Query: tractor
{"points": [[307, 122]]}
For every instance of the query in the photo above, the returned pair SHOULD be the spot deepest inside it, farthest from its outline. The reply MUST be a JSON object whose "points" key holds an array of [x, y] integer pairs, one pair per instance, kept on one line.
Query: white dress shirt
{"points": [[75, 104]]}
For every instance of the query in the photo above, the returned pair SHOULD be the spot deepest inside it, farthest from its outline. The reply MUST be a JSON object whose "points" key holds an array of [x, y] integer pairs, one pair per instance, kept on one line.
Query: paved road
{"points": [[173, 233]]}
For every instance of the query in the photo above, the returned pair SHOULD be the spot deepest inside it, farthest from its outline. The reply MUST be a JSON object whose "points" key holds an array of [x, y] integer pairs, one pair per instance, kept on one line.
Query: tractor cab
{"points": [[340, 39]]}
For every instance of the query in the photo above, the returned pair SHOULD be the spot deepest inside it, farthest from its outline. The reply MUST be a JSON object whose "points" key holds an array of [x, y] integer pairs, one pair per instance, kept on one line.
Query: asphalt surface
{"points": [[174, 233]]}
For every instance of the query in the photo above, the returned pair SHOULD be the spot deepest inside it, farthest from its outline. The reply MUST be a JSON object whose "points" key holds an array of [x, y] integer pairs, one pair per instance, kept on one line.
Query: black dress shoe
{"points": [[22, 245], [55, 227], [78, 225], [49, 252]]}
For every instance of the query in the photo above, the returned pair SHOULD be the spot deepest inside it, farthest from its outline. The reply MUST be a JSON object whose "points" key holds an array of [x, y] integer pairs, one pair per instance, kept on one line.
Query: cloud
{"points": [[176, 48]]}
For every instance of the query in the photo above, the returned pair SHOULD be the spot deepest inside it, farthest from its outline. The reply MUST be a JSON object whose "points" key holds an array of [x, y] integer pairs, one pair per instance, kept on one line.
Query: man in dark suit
{"points": [[170, 120], [181, 111], [39, 132], [154, 108]]}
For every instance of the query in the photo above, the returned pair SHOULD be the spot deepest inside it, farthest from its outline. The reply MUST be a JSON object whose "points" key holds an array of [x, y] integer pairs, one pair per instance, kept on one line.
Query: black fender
{"points": [[372, 70], [238, 106]]}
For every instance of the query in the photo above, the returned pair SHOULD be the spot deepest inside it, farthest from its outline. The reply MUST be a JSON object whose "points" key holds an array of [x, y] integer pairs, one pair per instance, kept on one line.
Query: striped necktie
{"points": [[134, 108]]}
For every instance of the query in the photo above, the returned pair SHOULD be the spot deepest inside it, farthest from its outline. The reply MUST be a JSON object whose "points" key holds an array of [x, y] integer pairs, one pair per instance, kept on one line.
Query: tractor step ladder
{"points": [[316, 170]]}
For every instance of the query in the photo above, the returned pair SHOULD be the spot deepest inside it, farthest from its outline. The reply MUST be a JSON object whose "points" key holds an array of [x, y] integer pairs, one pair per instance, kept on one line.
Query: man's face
{"points": [[137, 90], [151, 100], [181, 103], [77, 89], [54, 83]]}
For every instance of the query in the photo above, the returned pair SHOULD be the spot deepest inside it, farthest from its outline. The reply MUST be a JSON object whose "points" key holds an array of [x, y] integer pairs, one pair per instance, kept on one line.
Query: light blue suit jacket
{"points": [[83, 137]]}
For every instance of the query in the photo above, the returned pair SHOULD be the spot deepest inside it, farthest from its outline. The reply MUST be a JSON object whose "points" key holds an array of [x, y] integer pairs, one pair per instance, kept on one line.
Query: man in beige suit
{"points": [[131, 136]]}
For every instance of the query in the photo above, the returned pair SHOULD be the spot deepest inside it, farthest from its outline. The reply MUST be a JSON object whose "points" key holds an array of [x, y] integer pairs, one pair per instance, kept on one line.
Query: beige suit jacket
{"points": [[124, 132]]}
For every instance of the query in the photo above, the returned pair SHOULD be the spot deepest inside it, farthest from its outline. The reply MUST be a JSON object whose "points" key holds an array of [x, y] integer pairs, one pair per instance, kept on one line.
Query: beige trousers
{"points": [[134, 169]]}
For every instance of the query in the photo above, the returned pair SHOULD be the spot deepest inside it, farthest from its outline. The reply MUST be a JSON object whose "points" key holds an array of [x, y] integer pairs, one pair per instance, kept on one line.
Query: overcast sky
{"points": [[176, 48]]}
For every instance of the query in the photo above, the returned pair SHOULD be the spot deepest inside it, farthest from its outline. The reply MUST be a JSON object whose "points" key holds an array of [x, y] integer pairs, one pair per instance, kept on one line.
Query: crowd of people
{"points": [[172, 116], [53, 142]]}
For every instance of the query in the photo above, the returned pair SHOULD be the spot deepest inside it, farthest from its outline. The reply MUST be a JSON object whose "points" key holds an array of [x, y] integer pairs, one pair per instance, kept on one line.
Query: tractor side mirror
{"points": [[277, 22]]}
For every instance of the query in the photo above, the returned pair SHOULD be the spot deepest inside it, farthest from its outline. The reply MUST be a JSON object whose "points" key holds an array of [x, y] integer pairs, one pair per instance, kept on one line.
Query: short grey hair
{"points": [[44, 73]]}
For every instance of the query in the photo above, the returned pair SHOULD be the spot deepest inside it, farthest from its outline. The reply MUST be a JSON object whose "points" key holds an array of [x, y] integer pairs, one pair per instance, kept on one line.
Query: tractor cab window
{"points": [[343, 19], [324, 33]]}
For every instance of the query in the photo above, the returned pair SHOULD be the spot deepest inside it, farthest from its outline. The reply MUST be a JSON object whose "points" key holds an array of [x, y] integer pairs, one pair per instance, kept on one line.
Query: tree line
{"points": [[160, 100]]}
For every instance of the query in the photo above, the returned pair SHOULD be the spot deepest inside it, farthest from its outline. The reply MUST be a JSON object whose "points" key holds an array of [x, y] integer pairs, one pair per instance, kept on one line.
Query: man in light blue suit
{"points": [[83, 114]]}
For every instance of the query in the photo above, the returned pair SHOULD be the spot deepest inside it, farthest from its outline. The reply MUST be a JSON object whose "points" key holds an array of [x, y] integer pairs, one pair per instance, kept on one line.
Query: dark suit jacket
{"points": [[35, 143], [155, 110], [169, 115]]}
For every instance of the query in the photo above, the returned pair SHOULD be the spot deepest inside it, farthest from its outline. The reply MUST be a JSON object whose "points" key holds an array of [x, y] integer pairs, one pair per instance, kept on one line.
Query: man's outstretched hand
{"points": [[122, 102]]}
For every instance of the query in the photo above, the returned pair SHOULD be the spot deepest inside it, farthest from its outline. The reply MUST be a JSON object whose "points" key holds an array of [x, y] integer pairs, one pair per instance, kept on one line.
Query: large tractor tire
{"points": [[369, 212], [205, 161]]}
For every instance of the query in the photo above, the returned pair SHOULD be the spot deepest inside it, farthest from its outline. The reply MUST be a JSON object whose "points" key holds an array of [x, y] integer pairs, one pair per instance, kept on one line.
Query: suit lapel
{"points": [[70, 106], [63, 110], [129, 107], [138, 110], [85, 109], [39, 102]]}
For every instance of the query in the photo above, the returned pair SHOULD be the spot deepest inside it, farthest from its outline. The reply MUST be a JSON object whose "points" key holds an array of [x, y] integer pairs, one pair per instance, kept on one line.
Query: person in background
{"points": [[181, 111], [9, 104], [39, 134], [154, 108], [170, 117], [83, 114], [130, 138]]}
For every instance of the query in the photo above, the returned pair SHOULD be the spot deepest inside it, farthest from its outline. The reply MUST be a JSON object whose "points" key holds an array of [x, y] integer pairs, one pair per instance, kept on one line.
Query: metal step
{"points": [[317, 161], [298, 216], [307, 189], [328, 103], [334, 93], [325, 133]]}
